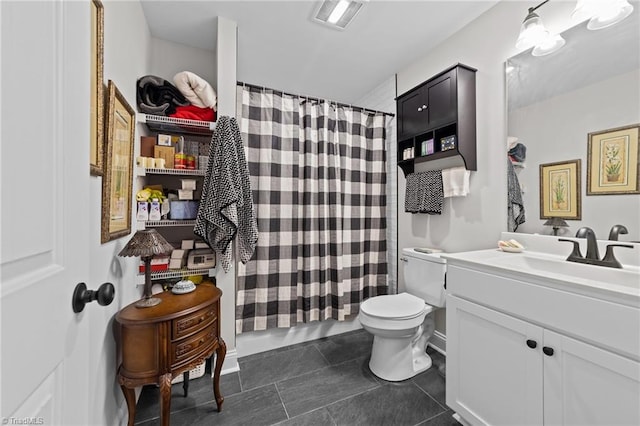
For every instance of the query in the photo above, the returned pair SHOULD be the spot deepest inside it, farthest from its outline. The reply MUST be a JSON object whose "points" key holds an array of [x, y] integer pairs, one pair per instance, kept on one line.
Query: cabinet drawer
{"points": [[194, 322], [185, 349]]}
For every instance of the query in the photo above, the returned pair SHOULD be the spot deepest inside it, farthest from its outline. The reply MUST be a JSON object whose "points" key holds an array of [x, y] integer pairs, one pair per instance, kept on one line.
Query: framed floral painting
{"points": [[560, 190], [612, 161]]}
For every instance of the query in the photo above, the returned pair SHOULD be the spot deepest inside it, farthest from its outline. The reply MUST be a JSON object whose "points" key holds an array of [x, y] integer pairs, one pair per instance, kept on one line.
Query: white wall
{"points": [[549, 139], [474, 222], [168, 58], [126, 47]]}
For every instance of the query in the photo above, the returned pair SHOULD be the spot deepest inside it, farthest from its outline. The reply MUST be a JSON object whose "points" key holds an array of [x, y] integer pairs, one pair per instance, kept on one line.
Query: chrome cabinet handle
{"points": [[419, 109]]}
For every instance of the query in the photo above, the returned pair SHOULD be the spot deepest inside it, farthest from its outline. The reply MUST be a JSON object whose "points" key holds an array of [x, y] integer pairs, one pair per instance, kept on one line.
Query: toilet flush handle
{"points": [[404, 259]]}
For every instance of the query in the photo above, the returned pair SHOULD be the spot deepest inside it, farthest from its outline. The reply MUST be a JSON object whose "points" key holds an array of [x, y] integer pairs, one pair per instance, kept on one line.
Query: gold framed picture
{"points": [[613, 160], [117, 181], [560, 190], [97, 89]]}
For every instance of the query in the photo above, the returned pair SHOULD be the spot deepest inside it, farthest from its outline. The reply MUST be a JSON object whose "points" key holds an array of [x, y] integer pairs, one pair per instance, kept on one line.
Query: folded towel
{"points": [[193, 112], [226, 207], [155, 95], [195, 89], [511, 142], [424, 192], [455, 182], [515, 206], [518, 152]]}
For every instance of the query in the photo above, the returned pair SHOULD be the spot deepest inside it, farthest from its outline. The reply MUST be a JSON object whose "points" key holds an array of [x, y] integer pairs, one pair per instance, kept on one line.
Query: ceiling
{"points": [[281, 47]]}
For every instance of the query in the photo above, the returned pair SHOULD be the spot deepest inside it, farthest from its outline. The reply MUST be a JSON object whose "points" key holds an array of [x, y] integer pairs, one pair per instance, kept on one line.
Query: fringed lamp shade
{"points": [[146, 244], [556, 223]]}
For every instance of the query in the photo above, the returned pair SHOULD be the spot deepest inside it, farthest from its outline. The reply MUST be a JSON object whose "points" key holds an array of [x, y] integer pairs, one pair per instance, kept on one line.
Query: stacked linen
{"points": [[192, 97]]}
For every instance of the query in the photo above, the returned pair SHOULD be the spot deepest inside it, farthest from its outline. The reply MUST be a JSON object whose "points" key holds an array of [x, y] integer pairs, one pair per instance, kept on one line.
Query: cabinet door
{"points": [[441, 99], [493, 376], [585, 385], [412, 113]]}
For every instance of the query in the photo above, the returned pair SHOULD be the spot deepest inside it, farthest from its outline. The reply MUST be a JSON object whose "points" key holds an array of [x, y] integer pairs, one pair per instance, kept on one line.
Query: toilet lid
{"points": [[394, 306]]}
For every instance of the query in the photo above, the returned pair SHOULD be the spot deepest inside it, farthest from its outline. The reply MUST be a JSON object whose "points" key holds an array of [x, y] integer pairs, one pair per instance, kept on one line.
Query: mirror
{"points": [[590, 85]]}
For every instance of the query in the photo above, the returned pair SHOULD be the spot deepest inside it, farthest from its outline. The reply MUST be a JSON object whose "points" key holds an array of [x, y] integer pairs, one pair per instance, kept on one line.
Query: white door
{"points": [[44, 181], [585, 385], [494, 366]]}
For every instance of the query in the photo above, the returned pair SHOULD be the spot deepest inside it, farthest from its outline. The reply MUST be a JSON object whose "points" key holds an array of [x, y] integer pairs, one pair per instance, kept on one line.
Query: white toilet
{"points": [[401, 323]]}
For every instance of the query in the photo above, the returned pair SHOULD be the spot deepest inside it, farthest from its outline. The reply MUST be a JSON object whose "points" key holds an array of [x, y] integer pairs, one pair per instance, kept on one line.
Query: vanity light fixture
{"points": [[337, 13], [601, 13], [534, 34]]}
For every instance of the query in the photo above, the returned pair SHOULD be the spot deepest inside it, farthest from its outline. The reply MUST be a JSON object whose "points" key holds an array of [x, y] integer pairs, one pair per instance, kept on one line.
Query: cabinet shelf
{"points": [[160, 123], [439, 117]]}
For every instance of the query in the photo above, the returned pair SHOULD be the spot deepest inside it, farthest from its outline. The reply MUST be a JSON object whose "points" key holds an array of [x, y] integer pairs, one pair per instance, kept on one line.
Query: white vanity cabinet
{"points": [[522, 353]]}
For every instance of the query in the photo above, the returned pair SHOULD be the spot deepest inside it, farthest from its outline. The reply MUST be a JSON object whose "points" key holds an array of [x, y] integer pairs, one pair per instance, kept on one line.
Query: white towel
{"points": [[196, 89], [455, 182]]}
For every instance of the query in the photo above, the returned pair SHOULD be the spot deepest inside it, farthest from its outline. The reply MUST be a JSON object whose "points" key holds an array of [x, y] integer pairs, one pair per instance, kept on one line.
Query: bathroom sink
{"points": [[628, 278], [556, 271]]}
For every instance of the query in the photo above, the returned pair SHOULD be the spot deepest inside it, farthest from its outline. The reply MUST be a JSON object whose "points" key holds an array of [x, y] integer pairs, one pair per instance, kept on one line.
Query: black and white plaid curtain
{"points": [[318, 177]]}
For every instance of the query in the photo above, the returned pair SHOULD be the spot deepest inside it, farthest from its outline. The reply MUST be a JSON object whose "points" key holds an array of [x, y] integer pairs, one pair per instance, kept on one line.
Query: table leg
{"points": [[185, 383], [165, 399], [130, 397], [221, 352]]}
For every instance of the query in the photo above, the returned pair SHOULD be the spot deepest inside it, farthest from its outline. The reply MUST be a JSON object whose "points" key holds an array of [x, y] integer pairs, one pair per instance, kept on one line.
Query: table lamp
{"points": [[146, 244], [556, 223]]}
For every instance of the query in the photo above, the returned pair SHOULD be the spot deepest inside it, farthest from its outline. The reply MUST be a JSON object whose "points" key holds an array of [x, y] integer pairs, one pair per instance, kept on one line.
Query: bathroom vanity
{"points": [[534, 339]]}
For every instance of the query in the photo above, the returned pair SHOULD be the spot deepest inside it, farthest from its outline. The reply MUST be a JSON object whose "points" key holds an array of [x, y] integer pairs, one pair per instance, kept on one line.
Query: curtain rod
{"points": [[255, 86]]}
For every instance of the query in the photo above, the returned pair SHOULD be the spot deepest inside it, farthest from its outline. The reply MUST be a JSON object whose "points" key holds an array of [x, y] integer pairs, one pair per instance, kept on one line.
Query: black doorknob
{"points": [[81, 296], [547, 350], [532, 343]]}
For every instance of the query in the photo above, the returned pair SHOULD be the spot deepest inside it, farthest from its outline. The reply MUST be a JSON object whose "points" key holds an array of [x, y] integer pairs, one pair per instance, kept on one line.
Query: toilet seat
{"points": [[403, 306]]}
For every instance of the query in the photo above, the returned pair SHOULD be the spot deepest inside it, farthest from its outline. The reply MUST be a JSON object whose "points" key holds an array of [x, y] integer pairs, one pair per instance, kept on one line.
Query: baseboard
{"points": [[439, 342], [230, 364], [261, 341]]}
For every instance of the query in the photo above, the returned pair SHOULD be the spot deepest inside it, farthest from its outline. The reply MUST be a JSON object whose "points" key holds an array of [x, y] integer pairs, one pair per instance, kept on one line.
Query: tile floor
{"points": [[323, 382]]}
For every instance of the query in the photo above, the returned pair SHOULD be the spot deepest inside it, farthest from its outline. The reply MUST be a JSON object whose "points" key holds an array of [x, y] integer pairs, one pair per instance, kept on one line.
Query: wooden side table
{"points": [[158, 343]]}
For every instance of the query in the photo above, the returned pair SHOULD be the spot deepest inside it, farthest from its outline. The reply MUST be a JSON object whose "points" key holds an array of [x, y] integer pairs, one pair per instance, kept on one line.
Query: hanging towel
{"points": [[515, 206], [455, 182], [196, 89], [226, 207], [424, 192], [155, 95]]}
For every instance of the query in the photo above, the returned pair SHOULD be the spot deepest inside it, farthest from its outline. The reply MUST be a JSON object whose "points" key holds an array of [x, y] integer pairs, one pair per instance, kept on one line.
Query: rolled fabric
{"points": [[195, 89]]}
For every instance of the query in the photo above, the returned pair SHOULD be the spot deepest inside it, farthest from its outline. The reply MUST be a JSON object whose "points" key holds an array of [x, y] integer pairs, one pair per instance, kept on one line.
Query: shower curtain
{"points": [[317, 174]]}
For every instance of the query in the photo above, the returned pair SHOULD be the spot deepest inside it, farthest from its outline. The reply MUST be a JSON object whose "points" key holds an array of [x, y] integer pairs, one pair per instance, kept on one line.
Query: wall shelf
{"points": [[437, 120], [141, 171], [164, 223], [177, 273], [160, 124]]}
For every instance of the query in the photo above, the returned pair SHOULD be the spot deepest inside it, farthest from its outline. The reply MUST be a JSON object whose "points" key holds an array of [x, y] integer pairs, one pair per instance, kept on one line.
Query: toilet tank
{"points": [[424, 275]]}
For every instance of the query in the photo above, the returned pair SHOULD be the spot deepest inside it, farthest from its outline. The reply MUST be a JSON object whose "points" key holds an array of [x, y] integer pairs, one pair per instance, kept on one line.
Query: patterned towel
{"points": [[226, 207], [515, 206], [424, 192]]}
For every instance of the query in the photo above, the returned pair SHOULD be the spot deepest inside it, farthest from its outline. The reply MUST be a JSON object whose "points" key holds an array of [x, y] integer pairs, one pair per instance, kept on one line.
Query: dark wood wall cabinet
{"points": [[437, 122], [156, 344]]}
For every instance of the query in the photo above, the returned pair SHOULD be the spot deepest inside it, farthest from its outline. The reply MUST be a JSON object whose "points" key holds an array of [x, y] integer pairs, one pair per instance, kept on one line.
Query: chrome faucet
{"points": [[593, 257], [617, 230]]}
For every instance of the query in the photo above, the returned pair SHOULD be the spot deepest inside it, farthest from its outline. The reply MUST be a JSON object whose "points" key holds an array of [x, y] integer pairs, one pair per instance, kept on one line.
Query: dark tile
{"points": [[271, 352], [325, 386], [400, 403], [279, 366], [260, 406], [200, 392], [320, 417], [346, 346], [444, 419], [433, 383]]}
